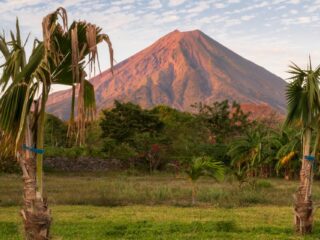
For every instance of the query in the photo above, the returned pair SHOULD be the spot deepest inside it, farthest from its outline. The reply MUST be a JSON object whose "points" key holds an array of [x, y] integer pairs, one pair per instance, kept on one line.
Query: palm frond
{"points": [[205, 166]]}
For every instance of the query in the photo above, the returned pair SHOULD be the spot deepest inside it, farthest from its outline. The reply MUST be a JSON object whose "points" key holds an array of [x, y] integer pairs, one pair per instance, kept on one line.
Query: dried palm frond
{"points": [[75, 54], [287, 158], [91, 35], [106, 39]]}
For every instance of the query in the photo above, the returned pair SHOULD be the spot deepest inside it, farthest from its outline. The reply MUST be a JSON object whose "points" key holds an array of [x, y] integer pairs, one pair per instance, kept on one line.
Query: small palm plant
{"points": [[203, 166], [241, 174]]}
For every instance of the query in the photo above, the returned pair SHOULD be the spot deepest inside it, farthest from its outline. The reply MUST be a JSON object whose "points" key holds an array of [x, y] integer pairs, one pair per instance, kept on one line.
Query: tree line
{"points": [[166, 139]]}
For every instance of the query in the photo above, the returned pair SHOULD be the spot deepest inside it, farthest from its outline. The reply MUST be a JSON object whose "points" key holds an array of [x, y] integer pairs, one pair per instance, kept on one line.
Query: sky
{"points": [[270, 33]]}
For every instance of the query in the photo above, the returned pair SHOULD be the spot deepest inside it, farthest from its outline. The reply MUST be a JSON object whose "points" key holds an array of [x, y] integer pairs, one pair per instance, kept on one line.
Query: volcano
{"points": [[178, 70]]}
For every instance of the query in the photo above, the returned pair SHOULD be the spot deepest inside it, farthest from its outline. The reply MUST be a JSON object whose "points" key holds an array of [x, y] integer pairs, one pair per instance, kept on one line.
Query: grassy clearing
{"points": [[117, 206], [120, 190], [161, 222]]}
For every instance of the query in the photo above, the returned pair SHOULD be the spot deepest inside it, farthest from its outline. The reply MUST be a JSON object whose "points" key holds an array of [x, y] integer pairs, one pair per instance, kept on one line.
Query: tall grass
{"points": [[117, 189]]}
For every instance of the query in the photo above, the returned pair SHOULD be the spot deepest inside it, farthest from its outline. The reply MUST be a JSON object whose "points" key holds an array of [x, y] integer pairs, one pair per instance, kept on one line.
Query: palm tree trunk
{"points": [[81, 113], [71, 125], [35, 212], [303, 206], [194, 192]]}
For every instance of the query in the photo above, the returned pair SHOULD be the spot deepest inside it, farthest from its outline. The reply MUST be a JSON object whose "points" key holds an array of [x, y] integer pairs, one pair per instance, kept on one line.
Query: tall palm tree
{"points": [[25, 85], [203, 166], [303, 98]]}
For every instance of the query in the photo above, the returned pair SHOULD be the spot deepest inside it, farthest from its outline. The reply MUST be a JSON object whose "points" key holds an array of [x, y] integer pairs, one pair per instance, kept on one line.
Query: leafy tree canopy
{"points": [[126, 119], [223, 119]]}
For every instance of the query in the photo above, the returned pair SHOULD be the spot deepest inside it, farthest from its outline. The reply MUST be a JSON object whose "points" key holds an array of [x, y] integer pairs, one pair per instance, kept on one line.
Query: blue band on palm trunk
{"points": [[310, 158], [32, 149]]}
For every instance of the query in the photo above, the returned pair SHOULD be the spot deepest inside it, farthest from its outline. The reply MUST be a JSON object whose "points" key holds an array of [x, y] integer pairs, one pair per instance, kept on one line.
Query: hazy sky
{"points": [[270, 33]]}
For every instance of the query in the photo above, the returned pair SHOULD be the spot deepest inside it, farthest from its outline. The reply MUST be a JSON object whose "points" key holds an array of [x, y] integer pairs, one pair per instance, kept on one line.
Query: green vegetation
{"points": [[161, 222], [165, 139], [157, 155], [118, 206], [203, 166], [121, 189]]}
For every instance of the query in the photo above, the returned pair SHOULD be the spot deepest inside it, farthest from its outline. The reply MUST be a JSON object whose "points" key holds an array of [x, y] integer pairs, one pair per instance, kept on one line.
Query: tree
{"points": [[59, 59], [253, 154], [303, 98], [247, 151], [223, 120], [203, 166], [126, 119], [55, 133], [130, 126], [183, 139]]}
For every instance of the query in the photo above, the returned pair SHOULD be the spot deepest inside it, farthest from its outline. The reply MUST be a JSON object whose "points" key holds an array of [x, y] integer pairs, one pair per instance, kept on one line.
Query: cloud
{"points": [[167, 19], [155, 4], [219, 5], [200, 7], [133, 24], [232, 22], [207, 20], [119, 2], [247, 17], [304, 20], [310, 8], [294, 1], [299, 20], [293, 12], [173, 3]]}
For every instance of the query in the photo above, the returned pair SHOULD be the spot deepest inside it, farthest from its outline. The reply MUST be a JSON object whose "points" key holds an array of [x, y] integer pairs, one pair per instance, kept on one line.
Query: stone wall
{"points": [[81, 164]]}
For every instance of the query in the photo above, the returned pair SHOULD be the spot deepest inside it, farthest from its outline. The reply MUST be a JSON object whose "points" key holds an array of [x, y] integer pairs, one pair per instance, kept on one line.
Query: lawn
{"points": [[118, 206], [161, 222]]}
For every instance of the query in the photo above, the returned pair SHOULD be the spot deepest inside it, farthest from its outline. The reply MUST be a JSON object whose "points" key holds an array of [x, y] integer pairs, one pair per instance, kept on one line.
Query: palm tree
{"points": [[303, 98], [203, 166], [253, 154], [25, 85], [288, 151], [247, 151]]}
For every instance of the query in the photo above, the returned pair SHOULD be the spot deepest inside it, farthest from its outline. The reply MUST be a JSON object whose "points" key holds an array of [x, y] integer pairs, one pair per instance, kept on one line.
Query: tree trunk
{"points": [[35, 212], [194, 193], [286, 174], [303, 206]]}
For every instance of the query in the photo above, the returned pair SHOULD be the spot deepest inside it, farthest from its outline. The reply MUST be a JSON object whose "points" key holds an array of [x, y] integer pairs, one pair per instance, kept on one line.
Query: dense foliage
{"points": [[163, 138]]}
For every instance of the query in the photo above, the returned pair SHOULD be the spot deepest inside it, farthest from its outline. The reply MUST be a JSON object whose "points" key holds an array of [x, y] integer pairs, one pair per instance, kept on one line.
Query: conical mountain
{"points": [[178, 70]]}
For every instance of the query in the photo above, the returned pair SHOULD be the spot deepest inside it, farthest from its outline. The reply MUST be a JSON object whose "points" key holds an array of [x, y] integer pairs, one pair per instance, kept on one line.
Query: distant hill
{"points": [[178, 70]]}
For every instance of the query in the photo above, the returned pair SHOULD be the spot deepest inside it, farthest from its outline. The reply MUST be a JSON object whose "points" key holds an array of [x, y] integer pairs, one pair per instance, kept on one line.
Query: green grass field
{"points": [[156, 207], [160, 222]]}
